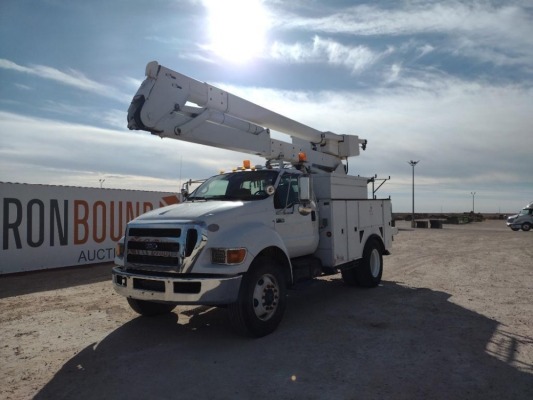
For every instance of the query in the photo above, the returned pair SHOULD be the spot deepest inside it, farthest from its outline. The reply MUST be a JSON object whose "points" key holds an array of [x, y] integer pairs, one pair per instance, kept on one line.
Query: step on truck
{"points": [[242, 239]]}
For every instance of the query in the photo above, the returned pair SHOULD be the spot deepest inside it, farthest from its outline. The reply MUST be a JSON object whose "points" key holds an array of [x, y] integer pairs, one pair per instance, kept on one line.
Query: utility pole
{"points": [[473, 204], [412, 164]]}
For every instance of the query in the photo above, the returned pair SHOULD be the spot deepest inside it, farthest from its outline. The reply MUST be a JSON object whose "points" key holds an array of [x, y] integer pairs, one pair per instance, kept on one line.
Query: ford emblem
{"points": [[150, 246]]}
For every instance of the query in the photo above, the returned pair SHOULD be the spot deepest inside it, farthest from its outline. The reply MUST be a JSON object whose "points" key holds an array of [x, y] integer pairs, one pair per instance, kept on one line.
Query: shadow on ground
{"points": [[335, 342], [61, 278]]}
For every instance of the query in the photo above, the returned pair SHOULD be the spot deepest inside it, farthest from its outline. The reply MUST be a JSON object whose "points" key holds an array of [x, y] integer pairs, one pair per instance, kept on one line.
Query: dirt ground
{"points": [[453, 319]]}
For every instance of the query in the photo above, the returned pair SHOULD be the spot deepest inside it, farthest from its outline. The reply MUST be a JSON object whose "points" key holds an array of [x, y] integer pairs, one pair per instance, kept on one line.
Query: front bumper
{"points": [[187, 289]]}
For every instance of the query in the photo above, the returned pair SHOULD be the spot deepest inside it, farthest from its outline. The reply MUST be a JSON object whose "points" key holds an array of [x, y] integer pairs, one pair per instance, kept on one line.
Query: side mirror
{"points": [[304, 185]]}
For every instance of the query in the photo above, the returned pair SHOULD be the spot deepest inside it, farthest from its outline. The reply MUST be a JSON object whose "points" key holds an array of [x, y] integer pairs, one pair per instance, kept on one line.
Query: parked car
{"points": [[523, 220]]}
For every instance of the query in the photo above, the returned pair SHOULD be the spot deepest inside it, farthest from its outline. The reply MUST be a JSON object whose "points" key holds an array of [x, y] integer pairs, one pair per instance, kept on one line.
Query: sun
{"points": [[237, 29]]}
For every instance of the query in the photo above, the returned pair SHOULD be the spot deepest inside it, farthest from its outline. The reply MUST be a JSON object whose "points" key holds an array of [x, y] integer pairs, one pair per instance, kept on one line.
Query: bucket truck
{"points": [[240, 240]]}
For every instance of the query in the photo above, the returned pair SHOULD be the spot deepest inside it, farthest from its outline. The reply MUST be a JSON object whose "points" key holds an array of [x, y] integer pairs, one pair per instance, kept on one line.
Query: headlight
{"points": [[228, 256]]}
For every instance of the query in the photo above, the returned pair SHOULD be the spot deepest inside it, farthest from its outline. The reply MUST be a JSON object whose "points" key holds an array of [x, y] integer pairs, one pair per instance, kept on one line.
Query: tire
{"points": [[526, 226], [262, 299], [150, 308], [349, 276], [368, 273], [515, 229]]}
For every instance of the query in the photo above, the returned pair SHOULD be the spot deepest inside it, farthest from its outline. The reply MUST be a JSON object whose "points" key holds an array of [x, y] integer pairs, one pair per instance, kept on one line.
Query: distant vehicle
{"points": [[523, 220]]}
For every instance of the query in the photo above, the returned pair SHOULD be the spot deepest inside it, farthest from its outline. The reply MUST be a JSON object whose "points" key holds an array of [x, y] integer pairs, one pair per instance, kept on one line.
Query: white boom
{"points": [[224, 120]]}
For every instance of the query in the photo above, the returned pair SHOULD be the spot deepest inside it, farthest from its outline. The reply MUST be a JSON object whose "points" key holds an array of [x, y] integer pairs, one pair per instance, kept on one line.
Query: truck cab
{"points": [[523, 220]]}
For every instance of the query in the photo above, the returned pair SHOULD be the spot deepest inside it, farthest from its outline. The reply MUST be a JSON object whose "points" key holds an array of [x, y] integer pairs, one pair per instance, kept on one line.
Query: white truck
{"points": [[242, 239], [523, 220]]}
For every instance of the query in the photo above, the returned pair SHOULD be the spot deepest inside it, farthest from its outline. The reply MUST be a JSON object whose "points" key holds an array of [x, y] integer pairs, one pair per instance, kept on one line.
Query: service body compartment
{"points": [[345, 226], [330, 186]]}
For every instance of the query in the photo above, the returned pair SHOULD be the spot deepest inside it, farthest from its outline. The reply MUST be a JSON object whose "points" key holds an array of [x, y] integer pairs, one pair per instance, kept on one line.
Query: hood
{"points": [[190, 211]]}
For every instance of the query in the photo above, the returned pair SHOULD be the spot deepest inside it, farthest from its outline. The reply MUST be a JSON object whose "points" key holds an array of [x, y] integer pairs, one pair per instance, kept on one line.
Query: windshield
{"points": [[526, 211], [245, 185]]}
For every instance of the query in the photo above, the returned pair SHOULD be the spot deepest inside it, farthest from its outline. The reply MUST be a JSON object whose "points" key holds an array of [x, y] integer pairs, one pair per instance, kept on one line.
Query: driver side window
{"points": [[287, 192]]}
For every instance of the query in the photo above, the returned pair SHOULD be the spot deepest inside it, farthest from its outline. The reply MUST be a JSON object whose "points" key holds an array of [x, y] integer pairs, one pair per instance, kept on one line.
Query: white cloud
{"points": [[468, 136], [70, 78], [45, 151], [113, 118], [394, 73], [425, 49], [499, 34], [354, 58], [23, 87]]}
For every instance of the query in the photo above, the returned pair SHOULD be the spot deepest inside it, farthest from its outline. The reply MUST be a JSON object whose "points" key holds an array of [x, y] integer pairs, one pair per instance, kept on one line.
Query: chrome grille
{"points": [[158, 247]]}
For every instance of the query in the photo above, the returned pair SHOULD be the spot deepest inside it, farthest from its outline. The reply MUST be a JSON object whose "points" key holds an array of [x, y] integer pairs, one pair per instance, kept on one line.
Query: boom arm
{"points": [[227, 121]]}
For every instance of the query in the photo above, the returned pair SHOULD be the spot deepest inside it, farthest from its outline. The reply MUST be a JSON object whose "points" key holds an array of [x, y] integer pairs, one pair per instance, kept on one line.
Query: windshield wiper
{"points": [[195, 198], [218, 197]]}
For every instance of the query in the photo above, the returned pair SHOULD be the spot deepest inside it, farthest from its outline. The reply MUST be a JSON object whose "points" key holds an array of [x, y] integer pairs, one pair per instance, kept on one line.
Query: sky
{"points": [[448, 84]]}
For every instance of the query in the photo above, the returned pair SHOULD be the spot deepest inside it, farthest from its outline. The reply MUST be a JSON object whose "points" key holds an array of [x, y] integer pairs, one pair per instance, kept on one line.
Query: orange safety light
{"points": [[246, 164], [302, 157]]}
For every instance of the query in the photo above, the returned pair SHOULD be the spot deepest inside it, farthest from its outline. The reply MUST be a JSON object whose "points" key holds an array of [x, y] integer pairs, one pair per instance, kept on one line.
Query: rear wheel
{"points": [[150, 308], [369, 269], [262, 299], [349, 276]]}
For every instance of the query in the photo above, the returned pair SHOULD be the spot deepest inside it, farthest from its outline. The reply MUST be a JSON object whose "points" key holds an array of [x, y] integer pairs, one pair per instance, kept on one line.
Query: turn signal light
{"points": [[235, 256], [119, 248]]}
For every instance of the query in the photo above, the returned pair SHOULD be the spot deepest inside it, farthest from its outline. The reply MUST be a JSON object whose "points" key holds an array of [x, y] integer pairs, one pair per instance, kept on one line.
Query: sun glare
{"points": [[237, 29]]}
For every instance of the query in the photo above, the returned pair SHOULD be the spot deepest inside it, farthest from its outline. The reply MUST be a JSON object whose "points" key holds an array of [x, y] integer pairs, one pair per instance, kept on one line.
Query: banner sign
{"points": [[58, 226]]}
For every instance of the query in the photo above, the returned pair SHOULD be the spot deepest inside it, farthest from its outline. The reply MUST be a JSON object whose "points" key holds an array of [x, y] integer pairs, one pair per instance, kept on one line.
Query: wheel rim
{"points": [[266, 297], [375, 263]]}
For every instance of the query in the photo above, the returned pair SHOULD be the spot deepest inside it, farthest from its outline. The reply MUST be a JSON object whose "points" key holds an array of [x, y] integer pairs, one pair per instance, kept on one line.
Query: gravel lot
{"points": [[453, 319]]}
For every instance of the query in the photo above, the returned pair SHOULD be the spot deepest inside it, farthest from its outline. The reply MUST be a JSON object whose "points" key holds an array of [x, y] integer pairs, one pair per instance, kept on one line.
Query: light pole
{"points": [[101, 182], [473, 197], [412, 164]]}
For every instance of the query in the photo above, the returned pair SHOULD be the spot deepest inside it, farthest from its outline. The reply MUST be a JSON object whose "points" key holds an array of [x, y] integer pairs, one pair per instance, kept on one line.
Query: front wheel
{"points": [[526, 226], [150, 308], [262, 299]]}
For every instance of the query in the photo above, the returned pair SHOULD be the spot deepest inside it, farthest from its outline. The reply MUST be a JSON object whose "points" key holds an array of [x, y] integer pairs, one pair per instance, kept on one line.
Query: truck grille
{"points": [[162, 232], [166, 248]]}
